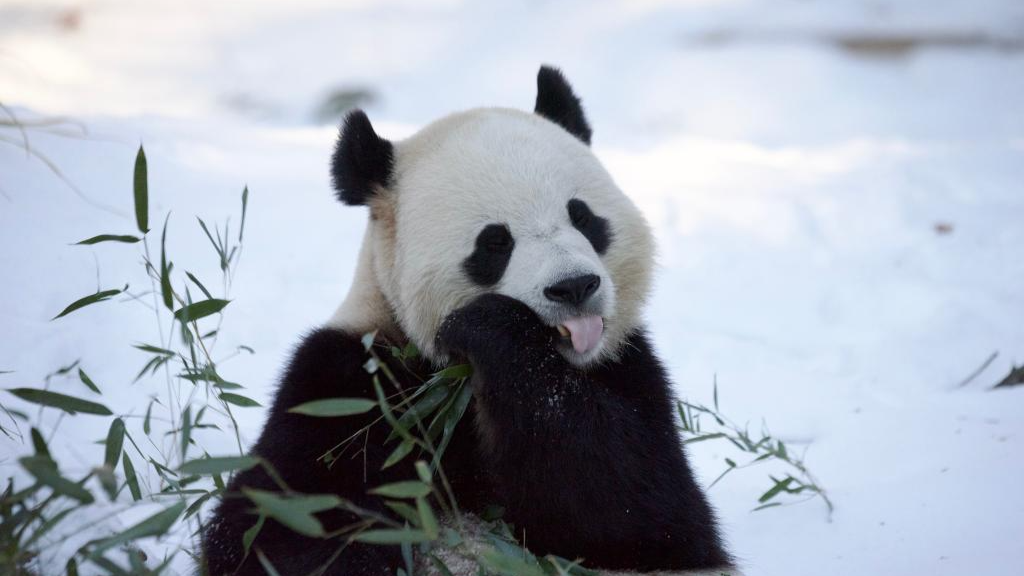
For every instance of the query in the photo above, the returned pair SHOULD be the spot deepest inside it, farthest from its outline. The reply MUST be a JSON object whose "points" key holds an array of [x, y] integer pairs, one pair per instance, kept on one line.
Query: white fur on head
{"points": [[487, 166]]}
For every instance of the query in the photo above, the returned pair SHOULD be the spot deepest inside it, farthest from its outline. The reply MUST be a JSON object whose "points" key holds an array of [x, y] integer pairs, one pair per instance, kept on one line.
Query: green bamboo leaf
{"points": [[141, 189], [250, 535], [72, 567], [696, 439], [427, 518], [200, 309], [245, 205], [406, 489], [424, 472], [295, 512], [124, 238], [87, 300], [219, 465], [69, 404], [456, 372], [405, 511], [392, 537], [165, 269], [186, 430], [199, 284], [154, 349], [238, 400], [399, 454], [115, 439], [145, 421], [131, 478], [45, 471], [334, 407], [39, 443], [88, 381], [156, 525], [779, 486], [509, 565]]}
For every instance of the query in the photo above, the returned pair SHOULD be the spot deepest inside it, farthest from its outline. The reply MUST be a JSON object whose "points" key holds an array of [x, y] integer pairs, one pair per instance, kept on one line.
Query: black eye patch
{"points": [[593, 227], [490, 257]]}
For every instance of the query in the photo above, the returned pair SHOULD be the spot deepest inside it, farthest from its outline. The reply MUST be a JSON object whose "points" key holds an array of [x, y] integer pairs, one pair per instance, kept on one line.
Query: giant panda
{"points": [[495, 236]]}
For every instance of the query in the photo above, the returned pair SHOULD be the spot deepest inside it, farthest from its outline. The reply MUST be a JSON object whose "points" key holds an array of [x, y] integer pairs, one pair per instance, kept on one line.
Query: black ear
{"points": [[362, 161], [557, 102]]}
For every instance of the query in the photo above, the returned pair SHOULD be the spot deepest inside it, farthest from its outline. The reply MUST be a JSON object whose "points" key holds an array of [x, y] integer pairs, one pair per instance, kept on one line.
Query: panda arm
{"points": [[588, 462], [327, 364]]}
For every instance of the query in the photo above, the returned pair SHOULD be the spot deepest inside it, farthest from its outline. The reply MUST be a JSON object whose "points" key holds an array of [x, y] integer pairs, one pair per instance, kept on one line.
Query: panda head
{"points": [[494, 200]]}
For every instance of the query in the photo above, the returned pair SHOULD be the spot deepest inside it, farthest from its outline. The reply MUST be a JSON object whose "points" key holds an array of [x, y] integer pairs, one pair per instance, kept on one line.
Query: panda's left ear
{"points": [[557, 102], [363, 161]]}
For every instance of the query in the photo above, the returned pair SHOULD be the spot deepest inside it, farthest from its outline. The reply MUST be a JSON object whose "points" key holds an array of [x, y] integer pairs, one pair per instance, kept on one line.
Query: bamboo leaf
{"points": [[123, 238], [88, 381], [392, 537], [115, 439], [141, 189], [218, 465], [131, 478], [86, 301], [186, 430], [406, 489], [238, 400], [398, 454], [200, 309], [245, 205], [779, 486], [165, 269], [156, 525], [456, 372], [295, 512], [696, 439], [334, 407], [427, 518], [199, 284], [250, 535], [45, 471], [69, 404]]}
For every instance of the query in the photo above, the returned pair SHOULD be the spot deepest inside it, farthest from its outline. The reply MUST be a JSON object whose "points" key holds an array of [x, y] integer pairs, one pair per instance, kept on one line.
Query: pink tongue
{"points": [[585, 332]]}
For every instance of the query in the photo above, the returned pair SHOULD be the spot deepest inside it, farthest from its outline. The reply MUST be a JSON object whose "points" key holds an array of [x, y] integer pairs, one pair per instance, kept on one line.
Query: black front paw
{"points": [[492, 324]]}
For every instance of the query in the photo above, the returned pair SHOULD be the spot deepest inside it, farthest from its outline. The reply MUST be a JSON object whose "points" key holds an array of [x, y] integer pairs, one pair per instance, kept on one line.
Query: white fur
{"points": [[488, 166]]}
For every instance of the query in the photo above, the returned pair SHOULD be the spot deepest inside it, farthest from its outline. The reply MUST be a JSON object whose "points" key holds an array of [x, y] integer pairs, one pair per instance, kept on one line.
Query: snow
{"points": [[802, 192]]}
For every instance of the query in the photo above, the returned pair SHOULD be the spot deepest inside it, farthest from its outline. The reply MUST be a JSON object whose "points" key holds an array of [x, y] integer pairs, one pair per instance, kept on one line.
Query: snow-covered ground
{"points": [[837, 188]]}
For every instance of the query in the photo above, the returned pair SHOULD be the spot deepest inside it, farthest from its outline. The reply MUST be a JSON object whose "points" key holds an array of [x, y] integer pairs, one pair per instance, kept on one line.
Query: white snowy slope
{"points": [[837, 189]]}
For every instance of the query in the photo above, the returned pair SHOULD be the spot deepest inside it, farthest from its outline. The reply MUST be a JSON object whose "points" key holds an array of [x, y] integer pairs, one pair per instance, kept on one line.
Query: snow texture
{"points": [[836, 189]]}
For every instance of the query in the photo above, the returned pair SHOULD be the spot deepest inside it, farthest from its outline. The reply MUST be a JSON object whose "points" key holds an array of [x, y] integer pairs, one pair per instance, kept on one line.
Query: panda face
{"points": [[495, 201], [506, 202]]}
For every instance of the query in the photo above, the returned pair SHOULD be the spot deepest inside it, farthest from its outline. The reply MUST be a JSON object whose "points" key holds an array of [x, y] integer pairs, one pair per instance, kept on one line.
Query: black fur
{"points": [[595, 228], [586, 463], [557, 102], [493, 249], [362, 161], [327, 364]]}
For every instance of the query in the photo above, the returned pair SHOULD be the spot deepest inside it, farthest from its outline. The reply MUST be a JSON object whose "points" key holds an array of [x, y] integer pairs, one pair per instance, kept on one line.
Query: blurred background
{"points": [[837, 189]]}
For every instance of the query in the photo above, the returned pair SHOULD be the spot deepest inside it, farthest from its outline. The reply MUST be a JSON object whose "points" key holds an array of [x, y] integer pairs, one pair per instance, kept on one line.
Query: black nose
{"points": [[573, 290]]}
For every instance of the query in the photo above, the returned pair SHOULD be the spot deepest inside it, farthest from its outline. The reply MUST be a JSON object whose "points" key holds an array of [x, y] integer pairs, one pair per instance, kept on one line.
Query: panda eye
{"points": [[579, 213], [594, 228], [496, 238]]}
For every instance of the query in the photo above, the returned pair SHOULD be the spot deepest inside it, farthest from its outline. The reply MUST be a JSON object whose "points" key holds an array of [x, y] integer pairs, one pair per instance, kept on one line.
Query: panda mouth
{"points": [[583, 332]]}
